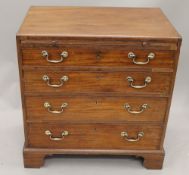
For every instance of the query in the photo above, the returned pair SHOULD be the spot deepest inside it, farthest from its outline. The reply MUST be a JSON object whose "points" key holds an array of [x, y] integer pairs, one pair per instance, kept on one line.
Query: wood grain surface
{"points": [[85, 109], [90, 55], [97, 82], [97, 22], [94, 136]]}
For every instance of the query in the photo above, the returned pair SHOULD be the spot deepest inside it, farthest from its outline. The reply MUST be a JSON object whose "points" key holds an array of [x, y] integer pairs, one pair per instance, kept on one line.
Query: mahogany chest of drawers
{"points": [[96, 81]]}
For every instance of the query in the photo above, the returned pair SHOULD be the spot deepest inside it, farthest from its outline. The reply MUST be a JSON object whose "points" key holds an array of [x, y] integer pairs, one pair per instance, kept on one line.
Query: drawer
{"points": [[95, 109], [83, 55], [94, 136], [97, 82]]}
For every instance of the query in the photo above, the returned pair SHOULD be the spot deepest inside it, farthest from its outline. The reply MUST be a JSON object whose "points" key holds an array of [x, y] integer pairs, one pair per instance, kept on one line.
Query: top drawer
{"points": [[99, 55]]}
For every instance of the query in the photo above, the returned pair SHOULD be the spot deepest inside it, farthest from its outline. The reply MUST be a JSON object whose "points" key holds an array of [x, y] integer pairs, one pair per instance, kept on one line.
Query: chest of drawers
{"points": [[96, 81]]}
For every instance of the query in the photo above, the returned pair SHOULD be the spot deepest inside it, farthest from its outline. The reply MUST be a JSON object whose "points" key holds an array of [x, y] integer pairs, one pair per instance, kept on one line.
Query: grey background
{"points": [[12, 13]]}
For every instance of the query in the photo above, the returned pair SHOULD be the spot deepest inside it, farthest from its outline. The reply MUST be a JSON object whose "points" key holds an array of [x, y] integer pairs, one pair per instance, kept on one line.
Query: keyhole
{"points": [[54, 43], [96, 102], [98, 77], [98, 55]]}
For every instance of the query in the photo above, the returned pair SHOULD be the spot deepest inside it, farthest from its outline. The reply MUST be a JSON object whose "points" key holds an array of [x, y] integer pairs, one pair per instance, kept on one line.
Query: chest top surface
{"points": [[98, 22]]}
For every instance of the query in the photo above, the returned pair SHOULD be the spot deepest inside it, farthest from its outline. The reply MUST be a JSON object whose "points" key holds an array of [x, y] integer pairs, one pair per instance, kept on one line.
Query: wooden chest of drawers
{"points": [[96, 81]]}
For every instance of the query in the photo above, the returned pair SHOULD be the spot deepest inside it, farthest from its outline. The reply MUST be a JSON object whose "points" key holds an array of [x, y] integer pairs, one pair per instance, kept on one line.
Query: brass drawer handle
{"points": [[49, 133], [48, 106], [126, 136], [62, 80], [63, 55], [132, 56], [146, 81], [142, 108]]}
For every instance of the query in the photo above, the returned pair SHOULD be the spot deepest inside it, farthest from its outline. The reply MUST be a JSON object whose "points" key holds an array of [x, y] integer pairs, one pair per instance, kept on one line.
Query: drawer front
{"points": [[95, 109], [94, 136], [97, 82], [79, 55]]}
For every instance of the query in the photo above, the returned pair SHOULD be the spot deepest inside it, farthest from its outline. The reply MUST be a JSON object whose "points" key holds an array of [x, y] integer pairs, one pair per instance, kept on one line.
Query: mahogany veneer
{"points": [[96, 81]]}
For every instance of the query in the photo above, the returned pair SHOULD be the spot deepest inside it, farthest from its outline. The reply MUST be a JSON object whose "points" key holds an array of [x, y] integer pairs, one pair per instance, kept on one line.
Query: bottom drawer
{"points": [[94, 136]]}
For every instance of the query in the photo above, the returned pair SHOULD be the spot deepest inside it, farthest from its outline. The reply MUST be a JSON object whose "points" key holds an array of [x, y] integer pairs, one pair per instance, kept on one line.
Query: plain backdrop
{"points": [[176, 161]]}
